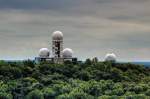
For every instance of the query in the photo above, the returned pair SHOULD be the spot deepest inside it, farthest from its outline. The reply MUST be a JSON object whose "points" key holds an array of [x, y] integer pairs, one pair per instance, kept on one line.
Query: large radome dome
{"points": [[44, 52], [57, 35], [110, 57], [67, 53]]}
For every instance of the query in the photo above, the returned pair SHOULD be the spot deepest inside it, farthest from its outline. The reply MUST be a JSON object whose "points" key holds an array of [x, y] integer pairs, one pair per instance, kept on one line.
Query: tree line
{"points": [[88, 80]]}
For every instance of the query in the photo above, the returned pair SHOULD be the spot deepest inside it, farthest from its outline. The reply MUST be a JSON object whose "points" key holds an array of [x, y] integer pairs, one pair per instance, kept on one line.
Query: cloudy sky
{"points": [[90, 27]]}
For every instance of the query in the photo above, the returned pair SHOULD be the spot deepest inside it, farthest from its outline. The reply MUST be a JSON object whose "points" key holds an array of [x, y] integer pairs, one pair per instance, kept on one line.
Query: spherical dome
{"points": [[110, 57], [57, 35], [44, 53], [67, 53]]}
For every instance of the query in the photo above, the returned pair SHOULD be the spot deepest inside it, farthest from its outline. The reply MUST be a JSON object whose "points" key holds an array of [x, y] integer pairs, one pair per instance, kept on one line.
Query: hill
{"points": [[89, 80]]}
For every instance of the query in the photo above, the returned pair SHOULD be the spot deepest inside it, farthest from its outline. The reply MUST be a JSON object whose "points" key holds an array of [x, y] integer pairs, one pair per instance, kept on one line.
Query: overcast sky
{"points": [[90, 27]]}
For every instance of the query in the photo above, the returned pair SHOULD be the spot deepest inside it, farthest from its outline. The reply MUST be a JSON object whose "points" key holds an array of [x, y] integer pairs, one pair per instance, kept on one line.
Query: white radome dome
{"points": [[57, 35], [67, 53], [110, 57], [44, 52]]}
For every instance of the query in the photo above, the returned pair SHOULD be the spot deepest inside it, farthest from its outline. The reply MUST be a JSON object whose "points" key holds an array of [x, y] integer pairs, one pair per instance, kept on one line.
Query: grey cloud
{"points": [[37, 4], [98, 26]]}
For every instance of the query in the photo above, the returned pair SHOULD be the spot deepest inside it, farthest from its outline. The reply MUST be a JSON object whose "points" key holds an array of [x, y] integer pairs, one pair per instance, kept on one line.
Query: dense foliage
{"points": [[88, 80]]}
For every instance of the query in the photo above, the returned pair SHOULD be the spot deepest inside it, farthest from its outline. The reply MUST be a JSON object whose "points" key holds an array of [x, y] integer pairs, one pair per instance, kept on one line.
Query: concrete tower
{"points": [[57, 46]]}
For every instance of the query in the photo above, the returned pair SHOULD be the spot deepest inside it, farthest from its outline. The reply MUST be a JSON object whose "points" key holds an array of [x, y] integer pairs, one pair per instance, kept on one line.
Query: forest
{"points": [[84, 80]]}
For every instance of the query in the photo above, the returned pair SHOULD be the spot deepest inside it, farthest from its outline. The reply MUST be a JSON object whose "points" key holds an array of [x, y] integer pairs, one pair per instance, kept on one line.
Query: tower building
{"points": [[59, 55], [57, 46]]}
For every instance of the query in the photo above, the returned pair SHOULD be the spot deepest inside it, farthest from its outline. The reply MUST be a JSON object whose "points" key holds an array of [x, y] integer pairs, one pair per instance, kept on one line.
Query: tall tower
{"points": [[57, 46]]}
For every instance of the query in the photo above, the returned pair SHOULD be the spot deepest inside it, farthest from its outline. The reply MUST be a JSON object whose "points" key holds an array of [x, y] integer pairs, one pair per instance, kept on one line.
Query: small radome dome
{"points": [[44, 52], [110, 57], [57, 35], [67, 53]]}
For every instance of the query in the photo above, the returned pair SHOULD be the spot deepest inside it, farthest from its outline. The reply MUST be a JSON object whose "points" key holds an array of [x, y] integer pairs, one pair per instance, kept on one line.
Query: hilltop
{"points": [[88, 80]]}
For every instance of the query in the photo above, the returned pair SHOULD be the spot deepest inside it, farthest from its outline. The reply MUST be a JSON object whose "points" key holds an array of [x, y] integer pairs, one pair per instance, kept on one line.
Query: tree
{"points": [[29, 63], [88, 61], [79, 94], [35, 94], [95, 60], [49, 93], [5, 96], [74, 81]]}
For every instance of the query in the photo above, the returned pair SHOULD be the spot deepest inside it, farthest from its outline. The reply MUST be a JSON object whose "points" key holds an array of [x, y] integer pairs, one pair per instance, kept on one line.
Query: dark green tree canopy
{"points": [[88, 80]]}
